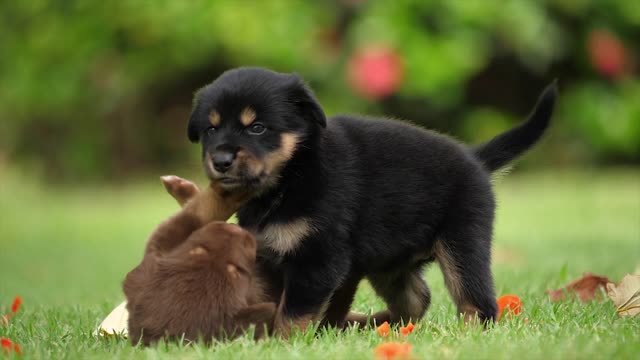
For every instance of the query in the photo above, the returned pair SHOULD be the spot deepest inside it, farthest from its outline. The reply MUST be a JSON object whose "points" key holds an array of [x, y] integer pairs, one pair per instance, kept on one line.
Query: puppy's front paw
{"points": [[181, 189]]}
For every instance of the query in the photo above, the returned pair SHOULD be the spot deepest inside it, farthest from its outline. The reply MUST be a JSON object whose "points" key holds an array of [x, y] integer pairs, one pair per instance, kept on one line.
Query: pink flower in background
{"points": [[607, 53], [375, 71]]}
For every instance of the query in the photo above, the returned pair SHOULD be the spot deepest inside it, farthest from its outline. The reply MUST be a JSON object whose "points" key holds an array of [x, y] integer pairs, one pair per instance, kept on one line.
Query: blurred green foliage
{"points": [[103, 88]]}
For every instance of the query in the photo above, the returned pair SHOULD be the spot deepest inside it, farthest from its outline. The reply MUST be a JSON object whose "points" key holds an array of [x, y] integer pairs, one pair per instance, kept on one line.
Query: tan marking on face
{"points": [[284, 238], [214, 118], [255, 166], [247, 116], [450, 271], [198, 251], [276, 160]]}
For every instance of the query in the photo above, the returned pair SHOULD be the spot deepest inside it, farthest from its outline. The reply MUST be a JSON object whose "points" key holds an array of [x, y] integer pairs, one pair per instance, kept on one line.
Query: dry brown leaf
{"points": [[4, 320], [586, 288], [626, 295]]}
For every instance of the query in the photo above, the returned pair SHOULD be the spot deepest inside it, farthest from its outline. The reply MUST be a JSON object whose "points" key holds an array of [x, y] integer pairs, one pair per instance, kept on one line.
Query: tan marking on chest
{"points": [[284, 238]]}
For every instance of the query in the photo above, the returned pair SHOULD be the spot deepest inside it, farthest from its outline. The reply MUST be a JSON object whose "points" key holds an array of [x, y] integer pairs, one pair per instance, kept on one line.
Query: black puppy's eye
{"points": [[210, 131], [257, 129]]}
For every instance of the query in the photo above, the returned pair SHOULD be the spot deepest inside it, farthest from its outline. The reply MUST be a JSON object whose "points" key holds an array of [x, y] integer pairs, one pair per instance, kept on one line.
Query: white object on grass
{"points": [[116, 322]]}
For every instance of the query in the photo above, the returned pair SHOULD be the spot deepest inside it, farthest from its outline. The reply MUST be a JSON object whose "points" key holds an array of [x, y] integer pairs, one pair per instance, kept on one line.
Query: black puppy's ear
{"points": [[304, 99], [192, 129]]}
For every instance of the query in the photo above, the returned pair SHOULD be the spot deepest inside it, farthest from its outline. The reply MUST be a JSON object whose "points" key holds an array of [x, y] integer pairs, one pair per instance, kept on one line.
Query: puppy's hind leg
{"points": [[406, 294], [464, 255], [337, 313]]}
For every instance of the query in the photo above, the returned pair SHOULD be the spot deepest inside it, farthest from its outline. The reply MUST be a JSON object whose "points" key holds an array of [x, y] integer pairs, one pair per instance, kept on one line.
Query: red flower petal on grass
{"points": [[9, 346], [392, 350], [406, 330], [6, 343], [384, 329], [16, 304], [510, 302]]}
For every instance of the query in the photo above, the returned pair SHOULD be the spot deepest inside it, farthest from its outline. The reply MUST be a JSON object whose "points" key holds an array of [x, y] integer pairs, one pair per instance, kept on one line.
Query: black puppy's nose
{"points": [[222, 160]]}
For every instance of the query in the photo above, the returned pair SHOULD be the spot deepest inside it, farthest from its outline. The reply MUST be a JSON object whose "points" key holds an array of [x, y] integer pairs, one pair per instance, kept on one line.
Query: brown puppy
{"points": [[196, 279]]}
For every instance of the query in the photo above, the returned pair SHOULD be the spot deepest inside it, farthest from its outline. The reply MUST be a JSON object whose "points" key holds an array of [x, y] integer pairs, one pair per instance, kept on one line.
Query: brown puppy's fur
{"points": [[196, 279]]}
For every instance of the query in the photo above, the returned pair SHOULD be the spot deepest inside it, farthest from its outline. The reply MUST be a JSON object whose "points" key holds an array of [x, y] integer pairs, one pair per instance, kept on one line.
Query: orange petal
{"points": [[9, 346], [17, 349], [6, 344], [392, 350], [16, 304], [510, 302], [406, 330], [384, 329]]}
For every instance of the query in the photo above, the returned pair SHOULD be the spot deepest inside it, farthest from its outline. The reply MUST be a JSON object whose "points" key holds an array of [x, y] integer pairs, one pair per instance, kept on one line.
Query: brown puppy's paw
{"points": [[181, 189]]}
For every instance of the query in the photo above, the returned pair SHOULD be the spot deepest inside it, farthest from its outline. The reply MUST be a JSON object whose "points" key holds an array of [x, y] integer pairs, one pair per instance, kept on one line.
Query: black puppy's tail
{"points": [[505, 147]]}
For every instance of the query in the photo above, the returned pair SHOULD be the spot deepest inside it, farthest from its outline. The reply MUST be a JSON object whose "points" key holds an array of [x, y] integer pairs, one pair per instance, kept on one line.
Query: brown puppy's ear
{"points": [[261, 315], [307, 104]]}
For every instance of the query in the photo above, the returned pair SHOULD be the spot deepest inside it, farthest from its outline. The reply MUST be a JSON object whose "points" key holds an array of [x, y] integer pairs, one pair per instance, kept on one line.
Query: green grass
{"points": [[66, 251]]}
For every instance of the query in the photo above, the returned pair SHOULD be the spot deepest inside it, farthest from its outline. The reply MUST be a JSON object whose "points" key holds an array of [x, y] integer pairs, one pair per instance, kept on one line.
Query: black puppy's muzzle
{"points": [[223, 160]]}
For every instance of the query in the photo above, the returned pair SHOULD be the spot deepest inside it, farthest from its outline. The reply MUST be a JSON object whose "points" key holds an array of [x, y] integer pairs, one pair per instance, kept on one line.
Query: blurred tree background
{"points": [[102, 89]]}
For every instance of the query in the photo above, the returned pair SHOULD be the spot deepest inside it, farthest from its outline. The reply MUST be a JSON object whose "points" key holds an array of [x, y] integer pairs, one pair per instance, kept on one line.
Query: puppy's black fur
{"points": [[352, 197]]}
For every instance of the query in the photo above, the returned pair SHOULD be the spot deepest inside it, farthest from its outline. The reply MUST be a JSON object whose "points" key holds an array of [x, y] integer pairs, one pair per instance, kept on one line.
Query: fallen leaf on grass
{"points": [[392, 350], [626, 295], [586, 288], [10, 346], [509, 302], [384, 329]]}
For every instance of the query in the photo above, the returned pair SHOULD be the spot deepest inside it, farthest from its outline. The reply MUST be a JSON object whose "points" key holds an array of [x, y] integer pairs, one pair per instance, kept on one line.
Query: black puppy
{"points": [[354, 197]]}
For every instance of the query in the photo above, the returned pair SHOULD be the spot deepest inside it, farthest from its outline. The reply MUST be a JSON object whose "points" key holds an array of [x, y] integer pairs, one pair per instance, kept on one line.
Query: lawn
{"points": [[65, 250]]}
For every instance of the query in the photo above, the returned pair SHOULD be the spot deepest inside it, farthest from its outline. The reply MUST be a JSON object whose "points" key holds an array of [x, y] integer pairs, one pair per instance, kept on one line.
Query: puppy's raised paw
{"points": [[181, 189]]}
